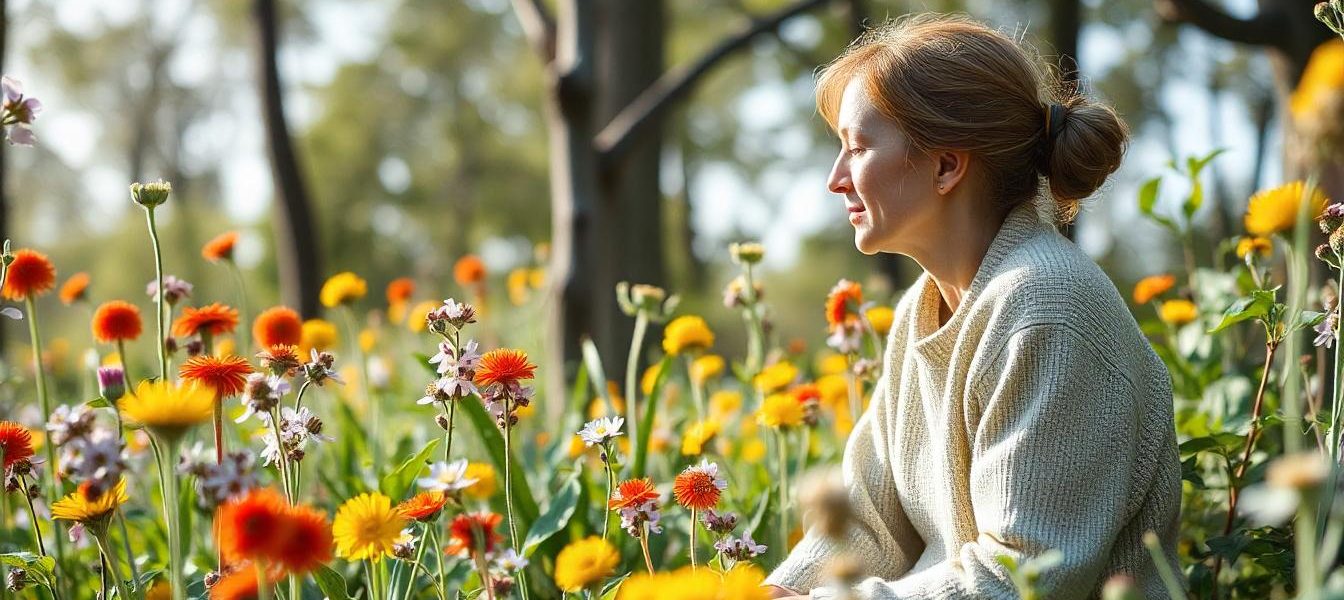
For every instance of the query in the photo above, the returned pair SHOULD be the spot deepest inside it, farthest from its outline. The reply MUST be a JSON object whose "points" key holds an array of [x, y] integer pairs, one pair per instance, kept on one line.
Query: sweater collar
{"points": [[1022, 223]]}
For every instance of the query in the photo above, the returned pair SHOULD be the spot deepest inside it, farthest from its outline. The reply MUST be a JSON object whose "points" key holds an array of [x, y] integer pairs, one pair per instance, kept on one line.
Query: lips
{"points": [[855, 208]]}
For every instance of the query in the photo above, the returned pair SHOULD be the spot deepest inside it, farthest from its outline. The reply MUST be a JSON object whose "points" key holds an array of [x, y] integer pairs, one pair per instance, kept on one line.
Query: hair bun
{"points": [[1085, 145]]}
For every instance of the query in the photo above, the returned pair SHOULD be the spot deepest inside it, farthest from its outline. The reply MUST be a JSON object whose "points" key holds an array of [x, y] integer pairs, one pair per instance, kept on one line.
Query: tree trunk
{"points": [[296, 237]]}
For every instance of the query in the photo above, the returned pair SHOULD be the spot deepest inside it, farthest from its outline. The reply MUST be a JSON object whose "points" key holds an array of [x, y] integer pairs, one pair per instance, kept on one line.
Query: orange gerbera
{"points": [[248, 526], [116, 321], [278, 325], [31, 274], [806, 392], [221, 247], [1151, 287], [632, 493], [400, 290], [280, 359], [469, 270], [465, 529], [74, 288], [842, 304], [215, 318], [699, 486], [241, 584], [504, 365], [307, 541], [424, 506], [224, 374], [16, 443]]}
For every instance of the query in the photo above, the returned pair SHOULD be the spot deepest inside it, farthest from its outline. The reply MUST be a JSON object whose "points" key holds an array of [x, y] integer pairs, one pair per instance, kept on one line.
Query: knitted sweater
{"points": [[1038, 417]]}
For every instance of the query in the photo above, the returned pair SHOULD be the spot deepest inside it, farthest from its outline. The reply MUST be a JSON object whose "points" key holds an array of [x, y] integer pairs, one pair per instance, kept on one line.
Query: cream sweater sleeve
{"points": [[1054, 454], [882, 537]]}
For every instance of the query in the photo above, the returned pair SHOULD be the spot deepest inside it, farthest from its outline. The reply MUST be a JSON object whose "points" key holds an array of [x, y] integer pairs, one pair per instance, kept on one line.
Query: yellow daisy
{"points": [[367, 526], [585, 564], [699, 434], [485, 485], [317, 333], [1275, 210], [168, 410], [80, 508], [776, 377], [724, 403], [342, 288], [780, 411], [415, 319], [881, 318], [743, 582], [706, 367], [1177, 312], [1259, 245], [687, 334]]}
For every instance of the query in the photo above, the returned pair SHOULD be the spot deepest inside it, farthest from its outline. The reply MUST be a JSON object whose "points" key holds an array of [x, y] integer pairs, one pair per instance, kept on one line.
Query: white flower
{"points": [[600, 430], [447, 477], [710, 469], [845, 339], [509, 561]]}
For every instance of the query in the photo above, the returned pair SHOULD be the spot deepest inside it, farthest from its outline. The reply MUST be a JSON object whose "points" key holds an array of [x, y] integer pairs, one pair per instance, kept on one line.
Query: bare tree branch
{"points": [[538, 25], [616, 139], [1263, 29]]}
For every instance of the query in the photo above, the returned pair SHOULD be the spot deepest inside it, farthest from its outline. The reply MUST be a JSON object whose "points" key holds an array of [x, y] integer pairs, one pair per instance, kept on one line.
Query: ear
{"points": [[950, 168]]}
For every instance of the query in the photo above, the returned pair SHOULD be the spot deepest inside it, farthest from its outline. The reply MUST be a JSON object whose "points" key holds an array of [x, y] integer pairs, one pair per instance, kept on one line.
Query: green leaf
{"points": [[592, 362], [1194, 165], [331, 583], [558, 512], [99, 402], [29, 562], [1007, 561], [1194, 200], [395, 484], [1148, 195], [1257, 305], [650, 409]]}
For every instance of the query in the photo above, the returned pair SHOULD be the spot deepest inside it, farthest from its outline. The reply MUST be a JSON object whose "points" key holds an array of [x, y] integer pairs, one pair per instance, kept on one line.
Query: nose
{"points": [[839, 181]]}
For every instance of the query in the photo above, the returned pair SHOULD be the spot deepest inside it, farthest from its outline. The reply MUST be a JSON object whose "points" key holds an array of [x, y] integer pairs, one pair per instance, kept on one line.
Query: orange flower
{"points": [[424, 506], [280, 359], [16, 443], [400, 290], [240, 584], [248, 526], [469, 270], [307, 541], [277, 325], [116, 321], [224, 374], [215, 318], [699, 486], [220, 248], [31, 274], [632, 493], [805, 392], [1151, 287], [842, 304], [504, 365], [74, 288], [464, 531]]}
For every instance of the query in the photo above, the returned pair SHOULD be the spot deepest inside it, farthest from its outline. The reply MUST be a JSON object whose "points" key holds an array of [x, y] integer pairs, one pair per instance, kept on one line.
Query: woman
{"points": [[1020, 409]]}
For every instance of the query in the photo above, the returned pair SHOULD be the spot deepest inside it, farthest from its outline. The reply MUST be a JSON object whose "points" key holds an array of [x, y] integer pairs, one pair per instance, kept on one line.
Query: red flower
{"points": [[472, 533], [16, 443], [306, 542], [240, 584], [215, 318], [632, 493], [400, 290], [699, 486], [806, 392], [248, 527], [469, 270], [423, 506], [224, 374], [74, 288], [116, 321], [504, 365], [842, 304], [277, 325], [31, 274], [221, 247]]}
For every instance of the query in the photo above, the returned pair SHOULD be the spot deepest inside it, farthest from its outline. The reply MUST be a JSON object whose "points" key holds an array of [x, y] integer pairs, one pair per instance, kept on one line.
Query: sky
{"points": [[788, 204]]}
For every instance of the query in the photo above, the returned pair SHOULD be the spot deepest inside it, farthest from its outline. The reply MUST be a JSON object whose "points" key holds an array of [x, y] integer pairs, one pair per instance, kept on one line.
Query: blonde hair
{"points": [[951, 83]]}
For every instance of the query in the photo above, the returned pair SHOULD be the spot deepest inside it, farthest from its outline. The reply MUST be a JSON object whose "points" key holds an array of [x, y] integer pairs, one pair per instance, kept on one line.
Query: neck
{"points": [[953, 260]]}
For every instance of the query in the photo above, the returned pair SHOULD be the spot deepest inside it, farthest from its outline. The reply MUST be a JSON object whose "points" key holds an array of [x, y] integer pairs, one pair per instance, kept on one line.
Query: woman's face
{"points": [[890, 188]]}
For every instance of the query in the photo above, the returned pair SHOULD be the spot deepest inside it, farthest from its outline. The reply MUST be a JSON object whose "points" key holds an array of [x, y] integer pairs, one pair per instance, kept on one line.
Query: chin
{"points": [[864, 242]]}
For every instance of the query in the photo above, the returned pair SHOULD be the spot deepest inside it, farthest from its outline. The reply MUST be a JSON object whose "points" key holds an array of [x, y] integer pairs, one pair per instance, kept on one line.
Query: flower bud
{"points": [[195, 347], [150, 195], [111, 383], [747, 253]]}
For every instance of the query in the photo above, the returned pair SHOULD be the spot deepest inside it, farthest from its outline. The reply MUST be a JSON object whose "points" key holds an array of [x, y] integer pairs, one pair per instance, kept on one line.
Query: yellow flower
{"points": [[585, 564], [367, 526], [77, 507], [367, 339], [1324, 75], [317, 333], [881, 317], [159, 590], [687, 334], [649, 377], [834, 390], [1151, 287], [485, 485], [1275, 210], [646, 586], [415, 319], [724, 403], [693, 442], [831, 363], [780, 411], [518, 286], [225, 347], [536, 278], [342, 288], [1259, 245], [753, 451], [775, 377], [694, 584], [743, 582], [167, 410], [576, 447], [1177, 312], [706, 368]]}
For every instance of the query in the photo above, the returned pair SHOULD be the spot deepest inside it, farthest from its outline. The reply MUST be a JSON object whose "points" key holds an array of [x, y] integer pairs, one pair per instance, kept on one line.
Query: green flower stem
{"points": [[443, 573], [692, 546], [632, 376], [508, 489], [243, 331], [783, 441], [1169, 580], [40, 373], [282, 461], [32, 515], [419, 555], [263, 590], [125, 369], [755, 334], [606, 504], [375, 411], [479, 559], [158, 302], [126, 545], [165, 454], [298, 399], [855, 396], [644, 546], [99, 534], [697, 392], [451, 409]]}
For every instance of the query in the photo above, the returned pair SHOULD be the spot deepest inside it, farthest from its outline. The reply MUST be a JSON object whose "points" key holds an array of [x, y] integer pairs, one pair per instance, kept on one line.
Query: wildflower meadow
{"points": [[408, 442]]}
